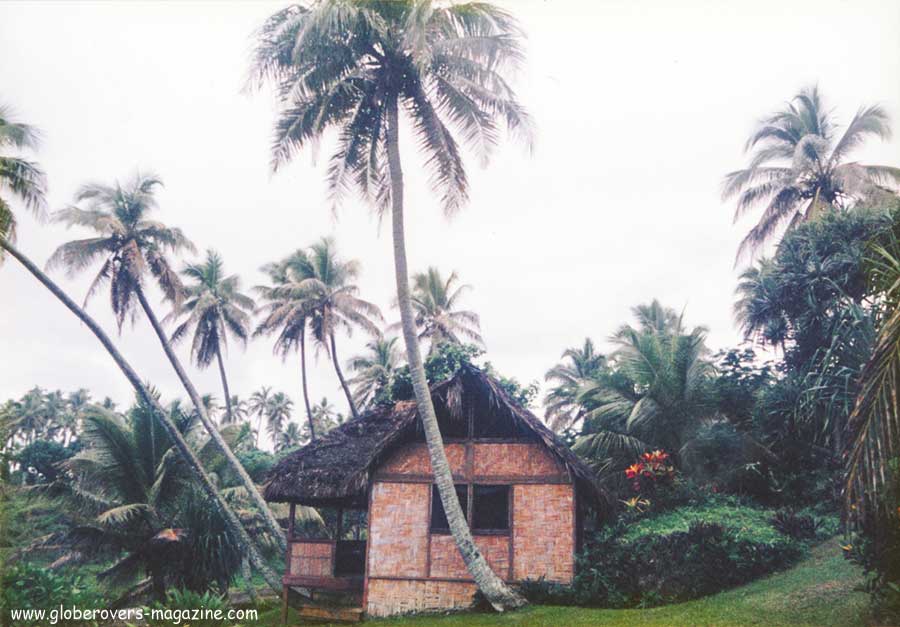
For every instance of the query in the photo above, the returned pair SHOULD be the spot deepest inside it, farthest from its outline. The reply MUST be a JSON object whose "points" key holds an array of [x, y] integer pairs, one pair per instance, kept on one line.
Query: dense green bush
{"points": [[676, 555], [257, 463], [25, 586]]}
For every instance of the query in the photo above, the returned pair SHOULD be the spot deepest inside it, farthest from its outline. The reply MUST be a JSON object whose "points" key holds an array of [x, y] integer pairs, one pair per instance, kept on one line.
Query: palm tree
{"points": [[239, 410], [130, 498], [662, 386], [258, 406], [441, 64], [213, 307], [561, 402], [278, 412], [195, 468], [287, 312], [331, 296], [799, 166], [130, 246], [374, 371], [77, 403], [21, 179], [434, 301], [288, 438]]}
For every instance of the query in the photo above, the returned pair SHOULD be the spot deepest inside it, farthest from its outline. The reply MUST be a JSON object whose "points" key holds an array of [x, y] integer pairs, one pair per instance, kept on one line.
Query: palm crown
{"points": [[434, 301], [129, 243], [19, 178], [213, 307], [344, 63], [799, 166], [580, 367]]}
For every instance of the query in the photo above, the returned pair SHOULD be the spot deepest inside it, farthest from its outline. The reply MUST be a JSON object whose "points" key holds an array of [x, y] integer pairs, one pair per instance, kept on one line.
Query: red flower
{"points": [[634, 470]]}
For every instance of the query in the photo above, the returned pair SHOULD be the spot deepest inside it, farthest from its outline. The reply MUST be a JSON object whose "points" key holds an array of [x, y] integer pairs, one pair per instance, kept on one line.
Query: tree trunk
{"points": [[498, 594], [340, 374], [309, 416], [269, 519], [229, 417], [231, 520]]}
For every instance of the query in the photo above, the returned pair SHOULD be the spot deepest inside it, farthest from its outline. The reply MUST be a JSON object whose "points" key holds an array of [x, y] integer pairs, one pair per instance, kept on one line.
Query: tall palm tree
{"points": [[278, 412], [258, 406], [130, 246], [77, 402], [287, 313], [213, 307], [239, 410], [333, 301], [580, 366], [374, 370], [799, 166], [441, 64], [434, 301], [20, 179], [289, 437], [195, 468]]}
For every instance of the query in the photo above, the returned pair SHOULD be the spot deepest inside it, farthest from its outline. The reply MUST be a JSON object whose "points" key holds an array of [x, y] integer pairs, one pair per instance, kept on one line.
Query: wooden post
{"points": [[287, 564]]}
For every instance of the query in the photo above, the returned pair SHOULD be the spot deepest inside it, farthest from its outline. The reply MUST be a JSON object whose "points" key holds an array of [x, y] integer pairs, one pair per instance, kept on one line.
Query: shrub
{"points": [[680, 554], [25, 586], [796, 525]]}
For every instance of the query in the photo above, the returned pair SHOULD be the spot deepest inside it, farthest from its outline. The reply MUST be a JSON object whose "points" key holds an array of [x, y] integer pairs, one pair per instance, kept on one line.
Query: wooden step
{"points": [[330, 614]]}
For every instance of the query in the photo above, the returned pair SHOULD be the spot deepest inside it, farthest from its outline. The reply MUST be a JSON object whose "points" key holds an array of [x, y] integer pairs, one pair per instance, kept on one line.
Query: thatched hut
{"points": [[524, 493]]}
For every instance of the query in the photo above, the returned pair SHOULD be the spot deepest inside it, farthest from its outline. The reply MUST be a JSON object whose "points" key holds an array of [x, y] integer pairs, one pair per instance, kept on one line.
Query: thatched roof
{"points": [[337, 467]]}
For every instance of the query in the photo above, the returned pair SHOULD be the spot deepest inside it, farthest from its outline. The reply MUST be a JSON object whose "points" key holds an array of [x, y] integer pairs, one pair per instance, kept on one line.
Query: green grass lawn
{"points": [[819, 591]]}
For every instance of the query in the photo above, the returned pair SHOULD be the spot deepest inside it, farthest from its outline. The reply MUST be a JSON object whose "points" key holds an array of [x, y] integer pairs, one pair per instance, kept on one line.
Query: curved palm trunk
{"points": [[231, 520], [340, 374], [229, 417], [500, 596], [309, 416], [269, 519]]}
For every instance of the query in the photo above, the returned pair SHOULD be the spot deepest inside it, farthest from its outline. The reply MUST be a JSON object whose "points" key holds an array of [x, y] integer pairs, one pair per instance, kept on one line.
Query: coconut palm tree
{"points": [[195, 468], [278, 412], [20, 179], [799, 166], [434, 301], [331, 296], [258, 406], [441, 65], [289, 437], [213, 308], [581, 365], [77, 403], [131, 246], [239, 410], [287, 312], [662, 384], [374, 370]]}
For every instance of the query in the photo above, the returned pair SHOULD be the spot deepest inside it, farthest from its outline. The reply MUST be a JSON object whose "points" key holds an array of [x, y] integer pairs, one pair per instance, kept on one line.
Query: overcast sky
{"points": [[641, 107]]}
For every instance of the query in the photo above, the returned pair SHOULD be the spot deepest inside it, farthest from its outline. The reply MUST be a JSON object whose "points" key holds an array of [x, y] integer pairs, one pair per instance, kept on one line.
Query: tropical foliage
{"points": [[20, 179], [799, 168]]}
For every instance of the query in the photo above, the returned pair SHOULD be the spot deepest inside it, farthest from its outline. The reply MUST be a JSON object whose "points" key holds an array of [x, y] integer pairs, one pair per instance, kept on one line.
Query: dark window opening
{"points": [[490, 508], [350, 558], [439, 522]]}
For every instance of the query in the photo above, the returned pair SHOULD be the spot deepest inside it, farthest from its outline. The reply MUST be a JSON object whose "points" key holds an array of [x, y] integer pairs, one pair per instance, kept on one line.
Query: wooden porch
{"points": [[328, 571]]}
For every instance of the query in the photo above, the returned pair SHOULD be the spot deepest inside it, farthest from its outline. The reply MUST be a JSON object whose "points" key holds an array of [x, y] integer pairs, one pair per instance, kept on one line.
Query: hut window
{"points": [[439, 522], [490, 508]]}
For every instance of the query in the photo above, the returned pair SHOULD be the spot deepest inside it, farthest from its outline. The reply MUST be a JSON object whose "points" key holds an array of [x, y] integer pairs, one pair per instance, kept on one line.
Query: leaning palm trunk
{"points": [[340, 374], [232, 522], [229, 417], [271, 524], [500, 596], [309, 416]]}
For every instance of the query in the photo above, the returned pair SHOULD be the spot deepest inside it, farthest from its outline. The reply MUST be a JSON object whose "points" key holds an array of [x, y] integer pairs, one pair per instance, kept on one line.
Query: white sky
{"points": [[641, 107]]}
